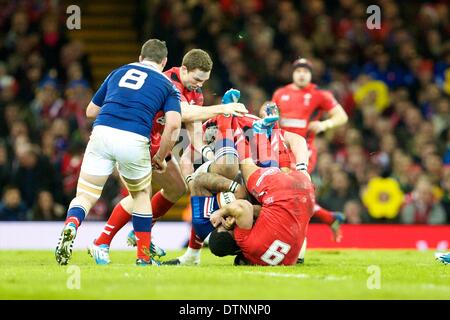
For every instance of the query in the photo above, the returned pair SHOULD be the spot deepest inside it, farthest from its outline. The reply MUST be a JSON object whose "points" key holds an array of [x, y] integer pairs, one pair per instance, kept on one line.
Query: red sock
{"points": [[194, 241], [143, 244], [160, 206], [73, 220], [119, 217], [323, 215]]}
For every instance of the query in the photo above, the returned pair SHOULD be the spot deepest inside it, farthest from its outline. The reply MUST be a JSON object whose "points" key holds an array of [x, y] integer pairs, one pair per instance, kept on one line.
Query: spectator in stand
{"points": [[33, 172], [46, 209], [421, 206], [12, 208]]}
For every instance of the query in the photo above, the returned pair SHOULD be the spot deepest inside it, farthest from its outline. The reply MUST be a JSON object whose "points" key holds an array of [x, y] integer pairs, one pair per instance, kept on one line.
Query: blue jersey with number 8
{"points": [[131, 96]]}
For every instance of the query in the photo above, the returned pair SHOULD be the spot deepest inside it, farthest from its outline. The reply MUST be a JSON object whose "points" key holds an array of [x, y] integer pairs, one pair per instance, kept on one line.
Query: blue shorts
{"points": [[202, 207]]}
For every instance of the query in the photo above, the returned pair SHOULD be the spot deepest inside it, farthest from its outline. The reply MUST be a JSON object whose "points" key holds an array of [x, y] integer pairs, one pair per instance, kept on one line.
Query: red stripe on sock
{"points": [[73, 220], [119, 218]]}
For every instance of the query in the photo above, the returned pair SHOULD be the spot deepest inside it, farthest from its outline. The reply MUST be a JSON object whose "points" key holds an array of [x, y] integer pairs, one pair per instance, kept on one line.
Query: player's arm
{"points": [[299, 148], [92, 110], [193, 113], [240, 210], [217, 183], [172, 127], [94, 106], [170, 134], [338, 117]]}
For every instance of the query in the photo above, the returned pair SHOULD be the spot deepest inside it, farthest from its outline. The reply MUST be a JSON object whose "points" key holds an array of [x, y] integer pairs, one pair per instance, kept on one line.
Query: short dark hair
{"points": [[154, 50], [197, 59], [223, 244]]}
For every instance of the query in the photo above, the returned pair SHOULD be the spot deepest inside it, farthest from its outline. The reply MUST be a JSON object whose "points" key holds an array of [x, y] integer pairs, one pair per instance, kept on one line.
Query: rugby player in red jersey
{"points": [[277, 235], [302, 104], [221, 133]]}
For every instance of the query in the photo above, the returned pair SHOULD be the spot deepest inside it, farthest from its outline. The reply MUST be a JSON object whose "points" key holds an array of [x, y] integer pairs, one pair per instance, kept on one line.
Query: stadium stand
{"points": [[393, 82]]}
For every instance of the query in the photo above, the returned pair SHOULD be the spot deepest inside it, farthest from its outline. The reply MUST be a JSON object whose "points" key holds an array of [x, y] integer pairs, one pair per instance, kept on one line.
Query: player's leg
{"points": [[134, 165], [332, 218], [140, 192], [89, 190], [226, 163], [202, 200], [173, 188], [97, 165]]}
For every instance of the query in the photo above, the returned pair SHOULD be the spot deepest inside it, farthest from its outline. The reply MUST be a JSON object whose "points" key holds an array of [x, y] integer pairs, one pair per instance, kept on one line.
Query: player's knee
{"points": [[127, 203], [140, 194]]}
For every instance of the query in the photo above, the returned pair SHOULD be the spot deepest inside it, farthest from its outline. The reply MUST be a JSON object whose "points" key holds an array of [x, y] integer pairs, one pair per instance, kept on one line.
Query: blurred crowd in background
{"points": [[390, 163]]}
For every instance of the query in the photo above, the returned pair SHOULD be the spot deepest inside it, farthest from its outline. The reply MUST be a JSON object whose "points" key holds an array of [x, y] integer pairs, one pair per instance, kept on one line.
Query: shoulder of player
{"points": [[148, 69]]}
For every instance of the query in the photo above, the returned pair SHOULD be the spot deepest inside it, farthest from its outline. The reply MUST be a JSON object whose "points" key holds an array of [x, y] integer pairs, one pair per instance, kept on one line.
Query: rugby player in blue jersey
{"points": [[124, 107]]}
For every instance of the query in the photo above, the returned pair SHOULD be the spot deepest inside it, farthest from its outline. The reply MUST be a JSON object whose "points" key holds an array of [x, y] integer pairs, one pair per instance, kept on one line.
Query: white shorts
{"points": [[108, 146]]}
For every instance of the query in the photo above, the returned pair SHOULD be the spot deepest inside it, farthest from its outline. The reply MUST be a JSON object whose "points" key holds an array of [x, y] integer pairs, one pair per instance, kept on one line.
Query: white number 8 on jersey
{"points": [[133, 79], [276, 253]]}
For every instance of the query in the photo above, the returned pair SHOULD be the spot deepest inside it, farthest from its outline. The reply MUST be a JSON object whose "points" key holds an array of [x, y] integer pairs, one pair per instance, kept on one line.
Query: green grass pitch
{"points": [[326, 274]]}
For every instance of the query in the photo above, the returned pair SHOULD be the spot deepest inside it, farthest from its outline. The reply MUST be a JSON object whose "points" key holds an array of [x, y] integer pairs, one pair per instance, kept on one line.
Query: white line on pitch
{"points": [[297, 275]]}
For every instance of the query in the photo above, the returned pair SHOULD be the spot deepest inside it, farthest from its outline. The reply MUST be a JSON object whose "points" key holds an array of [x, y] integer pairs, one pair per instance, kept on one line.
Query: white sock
{"points": [[190, 254]]}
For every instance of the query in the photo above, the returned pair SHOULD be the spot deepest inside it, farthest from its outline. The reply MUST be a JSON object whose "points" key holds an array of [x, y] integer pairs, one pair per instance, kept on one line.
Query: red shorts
{"points": [[287, 206]]}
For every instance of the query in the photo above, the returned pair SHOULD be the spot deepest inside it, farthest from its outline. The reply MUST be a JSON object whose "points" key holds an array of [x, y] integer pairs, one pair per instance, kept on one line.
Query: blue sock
{"points": [[75, 215]]}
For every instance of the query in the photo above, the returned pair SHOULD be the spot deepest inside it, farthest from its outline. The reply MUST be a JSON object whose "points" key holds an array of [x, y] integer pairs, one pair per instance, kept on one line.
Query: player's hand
{"points": [[316, 126], [216, 220], [232, 95], [159, 164], [235, 109], [229, 222]]}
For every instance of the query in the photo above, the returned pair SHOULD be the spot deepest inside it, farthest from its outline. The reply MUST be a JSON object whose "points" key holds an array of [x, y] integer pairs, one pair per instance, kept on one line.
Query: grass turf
{"points": [[340, 274]]}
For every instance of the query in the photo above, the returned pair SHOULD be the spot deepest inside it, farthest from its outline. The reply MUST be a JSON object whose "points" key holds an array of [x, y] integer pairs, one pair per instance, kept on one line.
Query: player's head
{"points": [[222, 243], [195, 68], [154, 50], [302, 72], [269, 108]]}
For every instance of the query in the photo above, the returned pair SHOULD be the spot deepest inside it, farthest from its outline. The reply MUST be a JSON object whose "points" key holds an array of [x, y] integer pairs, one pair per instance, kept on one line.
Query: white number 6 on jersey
{"points": [[133, 79], [276, 253]]}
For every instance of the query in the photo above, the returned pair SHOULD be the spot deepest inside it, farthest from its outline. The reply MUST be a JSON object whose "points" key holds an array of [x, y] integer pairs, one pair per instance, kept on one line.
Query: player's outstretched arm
{"points": [[338, 117], [192, 113]]}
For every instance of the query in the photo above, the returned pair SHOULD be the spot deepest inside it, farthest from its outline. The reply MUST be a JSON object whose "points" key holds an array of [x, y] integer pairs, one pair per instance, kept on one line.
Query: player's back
{"points": [[132, 95]]}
